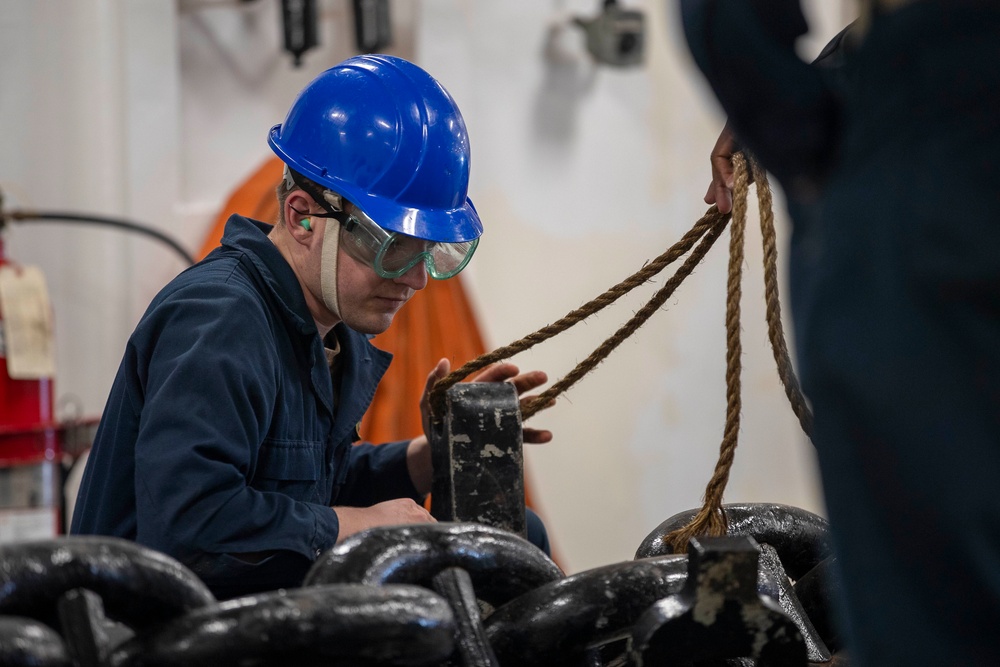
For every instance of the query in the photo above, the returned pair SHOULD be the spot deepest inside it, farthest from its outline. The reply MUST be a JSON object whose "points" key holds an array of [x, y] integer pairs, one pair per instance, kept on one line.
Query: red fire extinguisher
{"points": [[30, 467]]}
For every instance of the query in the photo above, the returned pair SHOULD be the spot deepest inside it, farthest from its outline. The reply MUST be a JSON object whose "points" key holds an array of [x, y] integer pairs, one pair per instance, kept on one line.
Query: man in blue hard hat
{"points": [[227, 441]]}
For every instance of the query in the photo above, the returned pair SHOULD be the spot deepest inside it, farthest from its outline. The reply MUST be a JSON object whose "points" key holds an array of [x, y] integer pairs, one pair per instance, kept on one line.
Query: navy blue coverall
{"points": [[225, 442]]}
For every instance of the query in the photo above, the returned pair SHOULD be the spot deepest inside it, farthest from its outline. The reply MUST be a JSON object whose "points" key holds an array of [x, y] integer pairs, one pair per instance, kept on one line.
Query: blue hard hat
{"points": [[384, 134]]}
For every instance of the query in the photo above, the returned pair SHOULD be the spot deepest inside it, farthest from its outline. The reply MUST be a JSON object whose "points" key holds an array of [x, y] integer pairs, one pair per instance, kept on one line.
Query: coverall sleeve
{"points": [[780, 107], [210, 387], [377, 473]]}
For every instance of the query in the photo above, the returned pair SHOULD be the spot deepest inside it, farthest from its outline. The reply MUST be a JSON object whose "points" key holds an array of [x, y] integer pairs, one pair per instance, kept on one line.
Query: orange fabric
{"points": [[437, 322]]}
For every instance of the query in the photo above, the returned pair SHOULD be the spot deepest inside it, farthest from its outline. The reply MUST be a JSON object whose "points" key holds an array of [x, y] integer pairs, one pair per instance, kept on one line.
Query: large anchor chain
{"points": [[465, 562], [455, 594]]}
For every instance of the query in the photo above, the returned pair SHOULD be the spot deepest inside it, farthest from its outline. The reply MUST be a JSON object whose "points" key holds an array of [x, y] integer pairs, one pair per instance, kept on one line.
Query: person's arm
{"points": [[720, 189], [210, 384], [377, 473], [381, 489], [396, 512], [779, 107]]}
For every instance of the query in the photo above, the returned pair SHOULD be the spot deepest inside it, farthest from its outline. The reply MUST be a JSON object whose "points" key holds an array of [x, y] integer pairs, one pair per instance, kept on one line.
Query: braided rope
{"points": [[711, 520], [544, 399], [775, 330], [711, 221]]}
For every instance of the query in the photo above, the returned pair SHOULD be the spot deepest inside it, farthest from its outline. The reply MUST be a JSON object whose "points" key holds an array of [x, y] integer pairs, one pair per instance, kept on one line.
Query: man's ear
{"points": [[298, 223]]}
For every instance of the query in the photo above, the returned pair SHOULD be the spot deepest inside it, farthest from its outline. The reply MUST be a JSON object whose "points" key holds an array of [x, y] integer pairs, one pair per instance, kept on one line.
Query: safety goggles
{"points": [[392, 254]]}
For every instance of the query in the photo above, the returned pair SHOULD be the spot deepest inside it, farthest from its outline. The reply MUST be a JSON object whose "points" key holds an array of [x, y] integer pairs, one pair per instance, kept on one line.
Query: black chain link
{"points": [[455, 594]]}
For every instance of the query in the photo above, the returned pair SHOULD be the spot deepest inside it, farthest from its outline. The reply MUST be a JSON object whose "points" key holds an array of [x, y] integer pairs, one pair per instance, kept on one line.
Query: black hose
{"points": [[57, 216]]}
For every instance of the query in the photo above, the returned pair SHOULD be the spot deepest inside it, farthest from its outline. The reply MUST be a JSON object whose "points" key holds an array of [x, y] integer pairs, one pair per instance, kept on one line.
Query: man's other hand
{"points": [[389, 513]]}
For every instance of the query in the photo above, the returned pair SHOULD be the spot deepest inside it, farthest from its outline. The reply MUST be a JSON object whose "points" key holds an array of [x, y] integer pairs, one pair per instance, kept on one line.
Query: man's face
{"points": [[367, 301]]}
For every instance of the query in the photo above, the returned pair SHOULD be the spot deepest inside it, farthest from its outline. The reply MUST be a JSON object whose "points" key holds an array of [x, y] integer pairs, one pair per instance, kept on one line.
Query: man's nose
{"points": [[415, 278]]}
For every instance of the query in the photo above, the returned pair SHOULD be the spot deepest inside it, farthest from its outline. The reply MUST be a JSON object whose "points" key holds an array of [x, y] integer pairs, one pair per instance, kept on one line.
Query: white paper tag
{"points": [[36, 523], [28, 336]]}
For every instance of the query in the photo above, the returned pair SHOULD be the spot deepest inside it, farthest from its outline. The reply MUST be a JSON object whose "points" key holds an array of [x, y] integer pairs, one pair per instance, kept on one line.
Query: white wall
{"points": [[88, 111], [155, 109]]}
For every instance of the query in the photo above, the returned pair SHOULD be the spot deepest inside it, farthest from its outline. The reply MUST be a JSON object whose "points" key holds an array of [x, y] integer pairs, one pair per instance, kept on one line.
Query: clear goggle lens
{"points": [[392, 254]]}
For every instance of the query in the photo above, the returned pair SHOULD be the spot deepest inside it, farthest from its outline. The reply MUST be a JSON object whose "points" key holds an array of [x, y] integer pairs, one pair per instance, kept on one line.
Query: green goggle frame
{"points": [[392, 254]]}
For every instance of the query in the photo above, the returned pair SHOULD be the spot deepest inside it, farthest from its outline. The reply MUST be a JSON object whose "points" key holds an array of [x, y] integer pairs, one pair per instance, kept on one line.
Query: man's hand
{"points": [[508, 372], [720, 190], [388, 513], [504, 372]]}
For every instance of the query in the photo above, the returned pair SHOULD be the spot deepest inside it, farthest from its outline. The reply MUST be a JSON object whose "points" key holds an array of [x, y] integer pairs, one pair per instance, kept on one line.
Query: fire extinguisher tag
{"points": [[27, 336]]}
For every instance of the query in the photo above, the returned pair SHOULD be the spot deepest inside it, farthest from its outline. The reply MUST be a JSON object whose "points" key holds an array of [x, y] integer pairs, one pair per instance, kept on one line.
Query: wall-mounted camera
{"points": [[616, 36]]}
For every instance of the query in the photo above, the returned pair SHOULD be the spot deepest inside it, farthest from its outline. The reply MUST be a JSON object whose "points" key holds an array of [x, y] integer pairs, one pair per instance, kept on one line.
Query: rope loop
{"points": [[710, 520], [706, 230]]}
